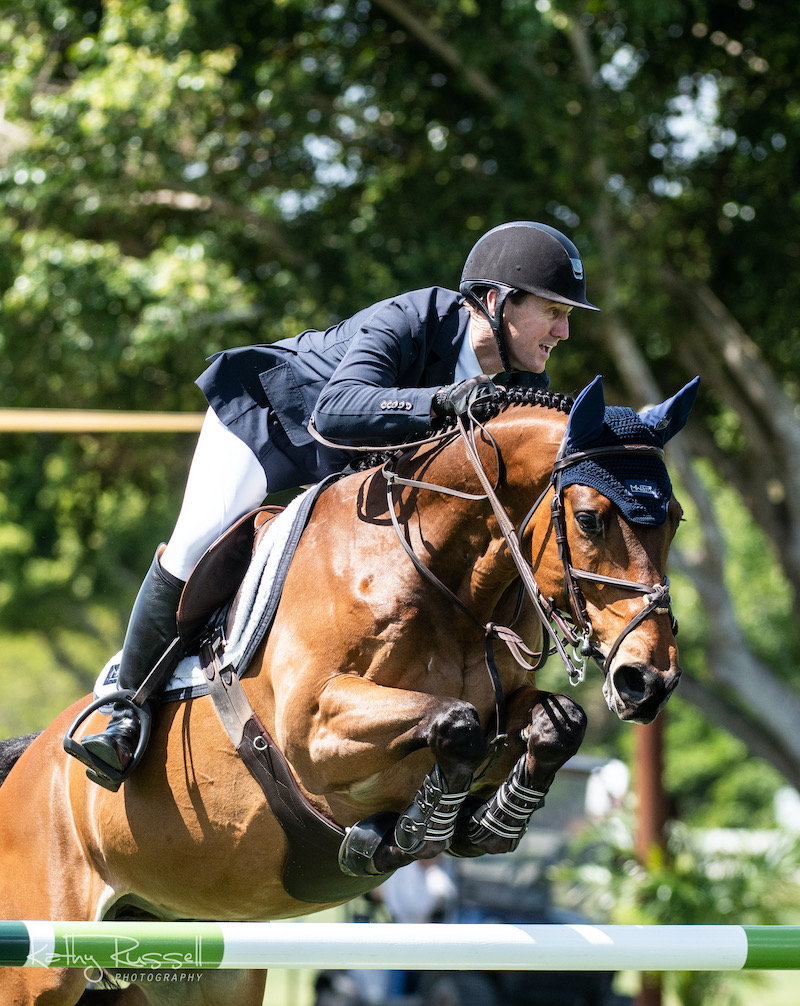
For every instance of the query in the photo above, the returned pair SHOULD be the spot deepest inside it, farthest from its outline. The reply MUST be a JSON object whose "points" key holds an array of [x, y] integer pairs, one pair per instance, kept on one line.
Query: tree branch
{"points": [[745, 383], [424, 33], [719, 711]]}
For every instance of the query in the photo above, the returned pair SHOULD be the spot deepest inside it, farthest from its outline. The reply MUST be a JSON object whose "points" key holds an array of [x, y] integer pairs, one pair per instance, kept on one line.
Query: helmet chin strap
{"points": [[496, 320]]}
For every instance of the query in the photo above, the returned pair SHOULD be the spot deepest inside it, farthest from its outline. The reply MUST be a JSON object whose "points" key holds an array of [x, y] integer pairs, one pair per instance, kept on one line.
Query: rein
{"points": [[570, 636], [491, 630]]}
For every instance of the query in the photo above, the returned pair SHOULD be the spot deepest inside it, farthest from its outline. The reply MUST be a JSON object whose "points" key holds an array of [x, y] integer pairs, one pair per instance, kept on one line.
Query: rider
{"points": [[389, 373]]}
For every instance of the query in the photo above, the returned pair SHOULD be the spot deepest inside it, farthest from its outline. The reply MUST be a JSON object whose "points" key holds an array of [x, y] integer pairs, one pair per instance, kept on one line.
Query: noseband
{"points": [[570, 634]]}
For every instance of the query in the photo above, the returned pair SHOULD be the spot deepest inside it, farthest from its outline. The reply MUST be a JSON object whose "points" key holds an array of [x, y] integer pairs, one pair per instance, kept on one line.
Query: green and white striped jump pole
{"points": [[478, 947]]}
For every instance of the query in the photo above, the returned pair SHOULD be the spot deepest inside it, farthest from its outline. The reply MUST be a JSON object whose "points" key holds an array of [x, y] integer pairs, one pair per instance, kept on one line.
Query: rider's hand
{"points": [[457, 399]]}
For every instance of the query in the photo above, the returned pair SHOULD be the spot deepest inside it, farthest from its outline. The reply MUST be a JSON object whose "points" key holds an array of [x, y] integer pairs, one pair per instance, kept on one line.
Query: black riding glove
{"points": [[457, 399]]}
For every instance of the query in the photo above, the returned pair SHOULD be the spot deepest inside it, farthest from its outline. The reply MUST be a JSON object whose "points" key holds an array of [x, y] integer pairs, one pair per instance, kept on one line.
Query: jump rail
{"points": [[96, 421], [487, 947]]}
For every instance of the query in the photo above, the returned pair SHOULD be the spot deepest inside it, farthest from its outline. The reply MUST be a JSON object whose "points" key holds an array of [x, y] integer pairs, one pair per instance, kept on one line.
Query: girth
{"points": [[311, 872]]}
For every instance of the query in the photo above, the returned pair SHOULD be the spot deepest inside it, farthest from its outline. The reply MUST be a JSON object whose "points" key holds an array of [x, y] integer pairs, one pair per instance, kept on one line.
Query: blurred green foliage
{"points": [[701, 878]]}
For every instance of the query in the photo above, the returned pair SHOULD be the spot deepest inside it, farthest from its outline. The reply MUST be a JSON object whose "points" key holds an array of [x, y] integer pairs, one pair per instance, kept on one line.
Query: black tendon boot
{"points": [[152, 627]]}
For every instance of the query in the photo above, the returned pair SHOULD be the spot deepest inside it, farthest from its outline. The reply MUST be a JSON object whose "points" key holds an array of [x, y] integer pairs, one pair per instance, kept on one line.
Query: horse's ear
{"points": [[586, 415], [670, 417]]}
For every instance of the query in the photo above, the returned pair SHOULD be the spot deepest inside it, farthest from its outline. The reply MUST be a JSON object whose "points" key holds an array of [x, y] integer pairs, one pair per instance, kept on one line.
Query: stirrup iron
{"points": [[96, 769]]}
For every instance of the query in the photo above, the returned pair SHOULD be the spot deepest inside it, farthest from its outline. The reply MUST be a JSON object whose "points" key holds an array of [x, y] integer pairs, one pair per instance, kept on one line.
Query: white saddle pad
{"points": [[188, 680]]}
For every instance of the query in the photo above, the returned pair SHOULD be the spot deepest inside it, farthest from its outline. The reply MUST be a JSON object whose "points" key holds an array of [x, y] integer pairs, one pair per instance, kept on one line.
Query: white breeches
{"points": [[225, 482]]}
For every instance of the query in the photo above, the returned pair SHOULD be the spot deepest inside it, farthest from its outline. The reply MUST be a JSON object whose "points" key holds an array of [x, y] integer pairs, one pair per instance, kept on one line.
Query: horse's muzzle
{"points": [[637, 692]]}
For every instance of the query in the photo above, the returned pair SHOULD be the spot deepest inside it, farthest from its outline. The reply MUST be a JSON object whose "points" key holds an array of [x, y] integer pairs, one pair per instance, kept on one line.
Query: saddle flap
{"points": [[219, 573]]}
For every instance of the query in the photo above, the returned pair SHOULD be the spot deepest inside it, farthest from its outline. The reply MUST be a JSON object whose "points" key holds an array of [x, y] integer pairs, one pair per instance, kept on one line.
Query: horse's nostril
{"points": [[640, 691], [630, 681]]}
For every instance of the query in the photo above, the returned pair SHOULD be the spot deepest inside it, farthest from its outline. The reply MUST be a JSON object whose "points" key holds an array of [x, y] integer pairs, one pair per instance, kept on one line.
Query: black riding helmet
{"points": [[528, 256]]}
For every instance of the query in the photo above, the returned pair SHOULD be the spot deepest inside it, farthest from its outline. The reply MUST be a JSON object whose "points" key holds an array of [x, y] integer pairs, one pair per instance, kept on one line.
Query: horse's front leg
{"points": [[554, 735], [374, 728], [426, 827]]}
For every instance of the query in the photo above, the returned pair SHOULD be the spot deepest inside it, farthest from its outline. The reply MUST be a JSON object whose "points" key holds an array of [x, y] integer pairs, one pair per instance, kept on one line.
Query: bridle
{"points": [[570, 633], [657, 597]]}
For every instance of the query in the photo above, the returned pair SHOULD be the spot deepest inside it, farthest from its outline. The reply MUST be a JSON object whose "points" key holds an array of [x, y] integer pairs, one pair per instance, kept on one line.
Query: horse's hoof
{"points": [[361, 842]]}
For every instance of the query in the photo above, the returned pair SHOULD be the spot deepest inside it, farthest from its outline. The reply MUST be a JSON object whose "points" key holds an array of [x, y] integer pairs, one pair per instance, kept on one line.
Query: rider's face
{"points": [[534, 327]]}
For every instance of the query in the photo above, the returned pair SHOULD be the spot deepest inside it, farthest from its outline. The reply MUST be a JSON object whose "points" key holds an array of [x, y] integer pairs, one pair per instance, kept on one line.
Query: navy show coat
{"points": [[368, 380]]}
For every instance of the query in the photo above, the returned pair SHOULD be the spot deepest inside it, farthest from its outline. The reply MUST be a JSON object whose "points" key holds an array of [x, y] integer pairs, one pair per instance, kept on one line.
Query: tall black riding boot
{"points": [[152, 627]]}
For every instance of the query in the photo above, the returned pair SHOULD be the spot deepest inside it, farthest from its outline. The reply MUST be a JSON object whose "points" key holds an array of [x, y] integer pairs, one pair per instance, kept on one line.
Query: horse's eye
{"points": [[590, 522]]}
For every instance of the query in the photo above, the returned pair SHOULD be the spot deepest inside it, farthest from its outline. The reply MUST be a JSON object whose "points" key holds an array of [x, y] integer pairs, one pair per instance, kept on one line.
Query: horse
{"points": [[397, 685]]}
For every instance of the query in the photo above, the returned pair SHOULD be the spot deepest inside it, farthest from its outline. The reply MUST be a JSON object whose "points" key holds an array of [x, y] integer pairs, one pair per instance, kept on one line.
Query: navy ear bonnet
{"points": [[637, 483]]}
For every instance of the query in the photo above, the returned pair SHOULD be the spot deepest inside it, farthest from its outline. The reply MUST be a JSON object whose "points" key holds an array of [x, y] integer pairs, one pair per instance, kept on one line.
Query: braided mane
{"points": [[528, 396], [503, 399]]}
